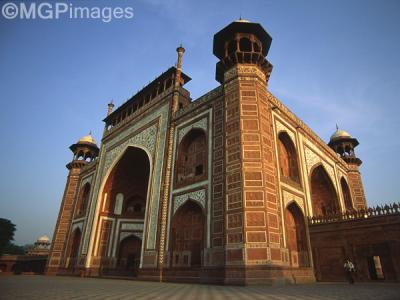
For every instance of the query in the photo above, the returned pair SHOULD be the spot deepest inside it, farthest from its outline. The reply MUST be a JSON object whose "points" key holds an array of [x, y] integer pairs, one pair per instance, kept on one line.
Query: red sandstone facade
{"points": [[216, 189]]}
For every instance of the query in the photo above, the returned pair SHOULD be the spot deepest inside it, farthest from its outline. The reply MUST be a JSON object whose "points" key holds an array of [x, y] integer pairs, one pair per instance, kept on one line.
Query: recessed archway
{"points": [[192, 158], [73, 248], [296, 237], [346, 194], [323, 194], [288, 158], [83, 200], [187, 235], [124, 195]]}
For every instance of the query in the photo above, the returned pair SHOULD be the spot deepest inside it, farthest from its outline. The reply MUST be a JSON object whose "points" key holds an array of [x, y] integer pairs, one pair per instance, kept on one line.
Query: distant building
{"points": [[41, 247], [33, 262], [227, 188]]}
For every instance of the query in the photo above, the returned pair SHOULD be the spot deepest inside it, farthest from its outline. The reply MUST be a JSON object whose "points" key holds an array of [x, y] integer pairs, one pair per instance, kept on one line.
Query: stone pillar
{"points": [[253, 227], [60, 242], [356, 187]]}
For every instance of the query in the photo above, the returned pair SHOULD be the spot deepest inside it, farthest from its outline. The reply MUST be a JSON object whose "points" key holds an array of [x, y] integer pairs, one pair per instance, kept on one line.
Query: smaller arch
{"points": [[348, 203], [129, 250], [256, 47], [288, 161], [245, 45], [296, 237], [73, 249], [192, 158], [188, 235], [232, 46], [83, 200], [323, 193]]}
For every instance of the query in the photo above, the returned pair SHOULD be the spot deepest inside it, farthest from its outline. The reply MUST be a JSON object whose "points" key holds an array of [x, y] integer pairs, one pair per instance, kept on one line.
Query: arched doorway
{"points": [[124, 199], [187, 235], [323, 194], [73, 248], [346, 194], [296, 237], [129, 255]]}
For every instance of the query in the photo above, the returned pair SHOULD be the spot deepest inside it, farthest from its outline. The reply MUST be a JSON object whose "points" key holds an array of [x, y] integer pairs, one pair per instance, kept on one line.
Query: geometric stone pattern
{"points": [[60, 240], [282, 128], [202, 123], [153, 140], [197, 196], [313, 159], [59, 287], [289, 197]]}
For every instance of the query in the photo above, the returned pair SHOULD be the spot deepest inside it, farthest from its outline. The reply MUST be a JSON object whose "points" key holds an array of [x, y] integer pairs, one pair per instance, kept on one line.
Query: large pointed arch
{"points": [[323, 193], [124, 196]]}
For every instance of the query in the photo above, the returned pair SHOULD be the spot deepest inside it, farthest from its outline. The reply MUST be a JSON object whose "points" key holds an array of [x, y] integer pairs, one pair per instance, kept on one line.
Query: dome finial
{"points": [[337, 127]]}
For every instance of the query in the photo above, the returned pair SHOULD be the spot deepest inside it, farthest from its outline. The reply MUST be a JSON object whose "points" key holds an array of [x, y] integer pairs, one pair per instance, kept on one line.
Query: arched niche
{"points": [[73, 248], [348, 203], [288, 163], [192, 156], [296, 236], [129, 253], [187, 237], [83, 200], [323, 194]]}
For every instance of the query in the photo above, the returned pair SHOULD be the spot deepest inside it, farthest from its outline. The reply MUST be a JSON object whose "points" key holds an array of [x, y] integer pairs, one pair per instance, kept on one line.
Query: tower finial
{"points": [[90, 132], [180, 51], [110, 107], [337, 127]]}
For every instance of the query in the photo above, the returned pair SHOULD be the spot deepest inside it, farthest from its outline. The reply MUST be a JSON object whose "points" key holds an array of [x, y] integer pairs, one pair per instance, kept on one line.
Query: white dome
{"points": [[339, 134], [44, 238], [87, 139], [242, 20]]}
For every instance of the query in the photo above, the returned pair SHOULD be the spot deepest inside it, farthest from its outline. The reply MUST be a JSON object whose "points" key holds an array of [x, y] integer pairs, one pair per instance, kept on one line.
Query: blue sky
{"points": [[334, 62]]}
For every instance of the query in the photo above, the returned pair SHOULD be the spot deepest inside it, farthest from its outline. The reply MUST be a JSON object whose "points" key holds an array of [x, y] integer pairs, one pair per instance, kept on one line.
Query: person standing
{"points": [[349, 269]]}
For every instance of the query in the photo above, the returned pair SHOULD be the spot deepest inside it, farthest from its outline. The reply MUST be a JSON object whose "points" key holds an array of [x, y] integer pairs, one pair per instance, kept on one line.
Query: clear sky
{"points": [[334, 62]]}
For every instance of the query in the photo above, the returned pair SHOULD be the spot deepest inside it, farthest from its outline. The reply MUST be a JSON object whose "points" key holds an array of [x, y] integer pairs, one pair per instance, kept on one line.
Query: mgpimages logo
{"points": [[57, 10]]}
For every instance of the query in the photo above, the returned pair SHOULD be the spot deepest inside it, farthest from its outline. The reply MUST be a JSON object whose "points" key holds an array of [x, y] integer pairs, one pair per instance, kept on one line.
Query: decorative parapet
{"points": [[199, 101], [378, 211]]}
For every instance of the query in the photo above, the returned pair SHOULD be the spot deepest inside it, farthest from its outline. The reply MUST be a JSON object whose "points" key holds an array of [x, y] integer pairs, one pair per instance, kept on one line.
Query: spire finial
{"points": [[110, 107], [337, 127], [90, 132], [180, 51]]}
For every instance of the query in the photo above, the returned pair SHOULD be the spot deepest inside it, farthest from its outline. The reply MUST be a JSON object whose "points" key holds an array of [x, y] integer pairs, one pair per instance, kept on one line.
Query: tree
{"points": [[7, 230]]}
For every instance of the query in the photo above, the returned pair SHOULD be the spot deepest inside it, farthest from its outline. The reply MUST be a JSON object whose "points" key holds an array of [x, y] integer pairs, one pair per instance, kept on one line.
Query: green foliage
{"points": [[7, 230], [13, 249]]}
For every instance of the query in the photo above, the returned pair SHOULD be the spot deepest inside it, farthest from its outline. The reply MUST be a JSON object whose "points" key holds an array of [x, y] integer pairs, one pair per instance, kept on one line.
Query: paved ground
{"points": [[41, 287]]}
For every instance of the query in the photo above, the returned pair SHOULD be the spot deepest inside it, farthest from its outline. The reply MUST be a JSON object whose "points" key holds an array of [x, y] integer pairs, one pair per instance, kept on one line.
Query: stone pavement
{"points": [[47, 287]]}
